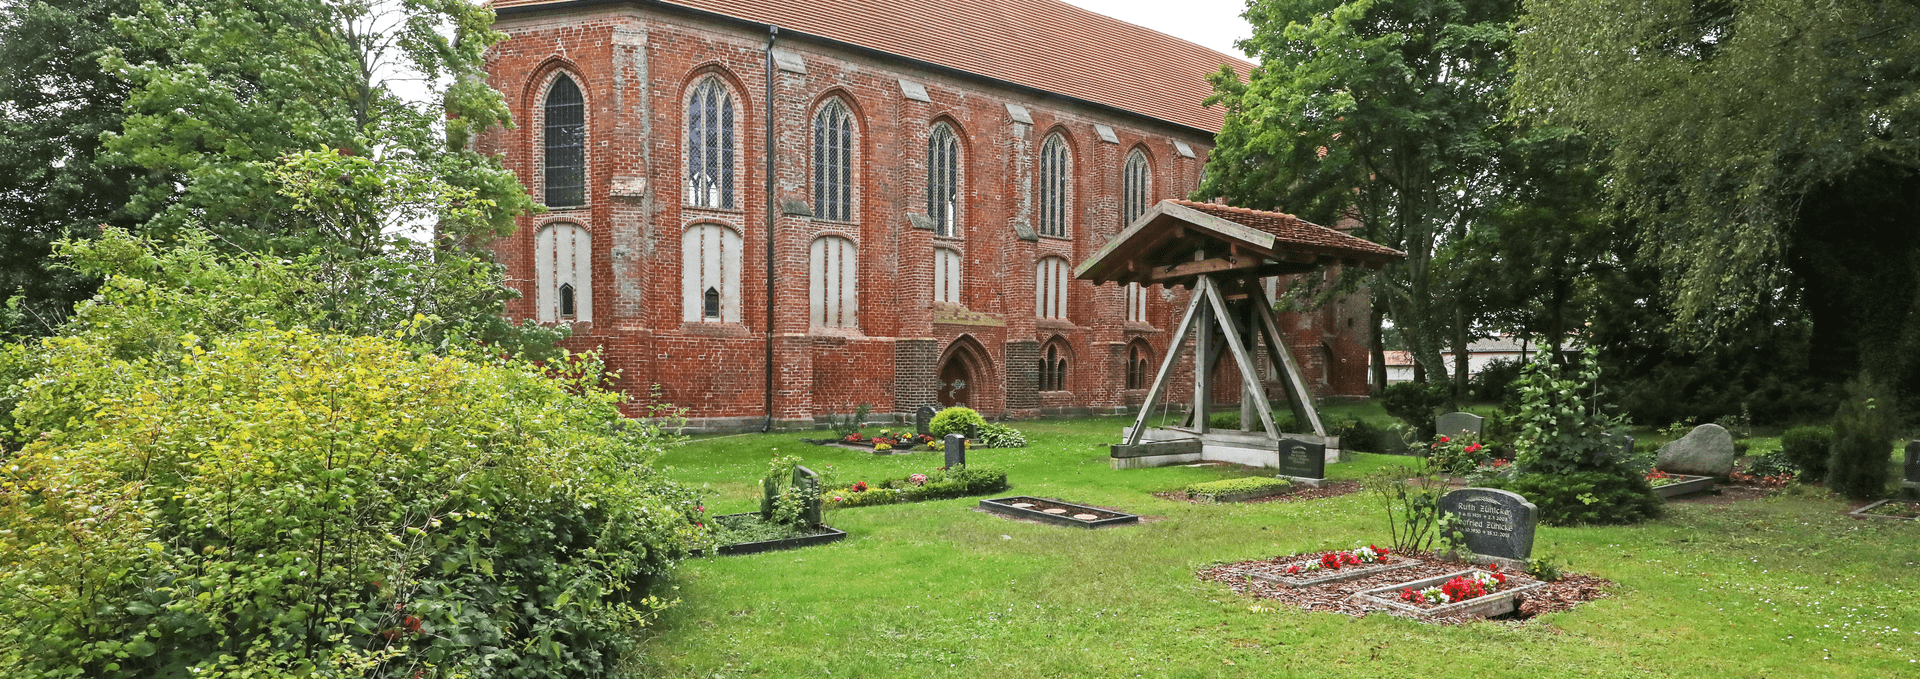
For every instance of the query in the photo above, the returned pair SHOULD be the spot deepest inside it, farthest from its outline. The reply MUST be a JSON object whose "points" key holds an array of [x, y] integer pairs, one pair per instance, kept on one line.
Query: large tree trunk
{"points": [[1378, 346], [1856, 249]]}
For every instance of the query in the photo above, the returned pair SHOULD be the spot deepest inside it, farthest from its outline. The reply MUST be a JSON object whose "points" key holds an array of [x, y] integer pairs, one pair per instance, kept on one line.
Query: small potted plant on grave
{"points": [[789, 514]]}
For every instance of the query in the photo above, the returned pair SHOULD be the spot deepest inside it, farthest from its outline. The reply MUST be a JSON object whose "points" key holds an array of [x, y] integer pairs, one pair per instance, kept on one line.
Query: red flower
{"points": [[1444, 439], [860, 487], [1473, 447]]}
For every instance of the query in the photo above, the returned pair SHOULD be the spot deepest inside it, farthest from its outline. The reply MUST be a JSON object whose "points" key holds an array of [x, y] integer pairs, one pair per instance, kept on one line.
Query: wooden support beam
{"points": [[1208, 266], [1283, 358], [1166, 370], [1249, 381]]}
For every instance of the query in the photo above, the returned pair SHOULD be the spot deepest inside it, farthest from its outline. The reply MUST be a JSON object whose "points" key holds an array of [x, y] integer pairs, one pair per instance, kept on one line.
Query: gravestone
{"points": [[1705, 451], [1913, 464], [808, 481], [1624, 453], [768, 491], [1300, 459], [923, 418], [1459, 424], [973, 431], [956, 450], [1495, 522]]}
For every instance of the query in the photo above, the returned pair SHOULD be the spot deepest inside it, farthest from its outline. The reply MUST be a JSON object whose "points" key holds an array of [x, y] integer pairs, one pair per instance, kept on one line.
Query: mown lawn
{"points": [[1779, 587]]}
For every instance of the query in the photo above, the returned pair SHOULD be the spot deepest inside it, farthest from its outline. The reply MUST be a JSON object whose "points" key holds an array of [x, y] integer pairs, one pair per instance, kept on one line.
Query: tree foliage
{"points": [[1380, 111], [1743, 132]]}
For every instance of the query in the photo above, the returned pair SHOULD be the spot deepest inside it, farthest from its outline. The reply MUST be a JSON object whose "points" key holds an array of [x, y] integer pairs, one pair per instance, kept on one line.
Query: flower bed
{"points": [[1307, 570], [1238, 490], [1056, 512], [1470, 593], [1669, 485], [939, 484]]}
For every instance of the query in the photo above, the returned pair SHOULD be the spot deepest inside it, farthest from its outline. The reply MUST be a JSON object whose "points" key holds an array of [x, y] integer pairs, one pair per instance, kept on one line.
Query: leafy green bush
{"points": [[1863, 431], [1773, 464], [282, 502], [939, 484], [954, 420], [1414, 403], [1243, 484], [1001, 436], [1563, 427], [1494, 382], [1581, 498], [1808, 448], [1358, 435]]}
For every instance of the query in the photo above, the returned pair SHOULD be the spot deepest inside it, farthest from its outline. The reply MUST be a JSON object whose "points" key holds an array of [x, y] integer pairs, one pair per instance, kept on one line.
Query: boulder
{"points": [[1705, 451]]}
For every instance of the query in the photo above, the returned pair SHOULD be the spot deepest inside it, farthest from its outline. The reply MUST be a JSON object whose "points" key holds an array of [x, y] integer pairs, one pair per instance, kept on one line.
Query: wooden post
{"points": [[1249, 381], [1166, 369], [1283, 359], [1202, 365]]}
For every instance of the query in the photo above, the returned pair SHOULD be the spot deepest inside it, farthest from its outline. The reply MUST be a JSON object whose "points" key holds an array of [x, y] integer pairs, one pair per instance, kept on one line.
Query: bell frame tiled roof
{"points": [[1160, 247], [1045, 45]]}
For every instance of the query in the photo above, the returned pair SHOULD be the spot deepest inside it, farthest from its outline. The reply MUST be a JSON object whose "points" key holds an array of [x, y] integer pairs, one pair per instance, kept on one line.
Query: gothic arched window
{"points": [[946, 275], [1137, 356], [833, 162], [1053, 368], [563, 273], [834, 300], [710, 274], [943, 180], [1056, 176], [1050, 285], [565, 139], [710, 146], [1136, 187]]}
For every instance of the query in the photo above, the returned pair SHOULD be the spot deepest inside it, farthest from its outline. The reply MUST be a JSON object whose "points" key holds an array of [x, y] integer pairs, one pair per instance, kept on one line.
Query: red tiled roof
{"points": [[1044, 44], [1291, 229]]}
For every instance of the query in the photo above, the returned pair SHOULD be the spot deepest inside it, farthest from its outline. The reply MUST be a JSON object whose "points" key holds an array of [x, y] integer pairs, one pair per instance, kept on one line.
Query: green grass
{"points": [[1779, 587]]}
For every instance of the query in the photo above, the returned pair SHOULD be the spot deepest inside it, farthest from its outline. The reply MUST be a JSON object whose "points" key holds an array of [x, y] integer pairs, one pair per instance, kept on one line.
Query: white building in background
{"points": [[1480, 353]]}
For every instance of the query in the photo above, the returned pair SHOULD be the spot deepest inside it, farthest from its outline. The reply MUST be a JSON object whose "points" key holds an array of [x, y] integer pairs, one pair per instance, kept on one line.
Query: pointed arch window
{"points": [[1053, 368], [710, 274], [943, 180], [833, 162], [710, 146], [1055, 179], [1137, 356], [1050, 283], [563, 273], [1136, 189], [834, 301], [565, 138]]}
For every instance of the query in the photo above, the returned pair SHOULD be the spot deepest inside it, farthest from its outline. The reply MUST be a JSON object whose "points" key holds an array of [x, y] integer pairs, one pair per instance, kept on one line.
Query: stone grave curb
{"points": [[1692, 484], [1497, 603], [831, 535], [1004, 506], [1861, 513], [1341, 575]]}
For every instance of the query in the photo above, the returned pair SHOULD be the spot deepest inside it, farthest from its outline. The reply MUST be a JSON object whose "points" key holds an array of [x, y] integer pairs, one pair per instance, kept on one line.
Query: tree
{"points": [[1752, 139], [1380, 111], [55, 102], [247, 83]]}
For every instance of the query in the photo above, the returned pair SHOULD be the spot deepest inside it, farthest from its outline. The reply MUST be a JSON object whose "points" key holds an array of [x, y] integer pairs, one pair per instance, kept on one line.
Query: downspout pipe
{"points": [[773, 34]]}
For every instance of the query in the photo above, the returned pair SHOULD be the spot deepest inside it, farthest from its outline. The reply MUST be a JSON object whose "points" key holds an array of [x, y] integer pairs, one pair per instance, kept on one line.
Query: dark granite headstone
{"points": [[768, 490], [1625, 451], [808, 481], [956, 450], [1495, 522], [1304, 460], [923, 418], [1464, 425], [1913, 462], [973, 431]]}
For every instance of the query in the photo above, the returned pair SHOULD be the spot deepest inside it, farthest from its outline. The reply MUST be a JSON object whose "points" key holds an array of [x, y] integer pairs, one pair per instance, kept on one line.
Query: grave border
{"points": [[1692, 484], [1499, 602], [1341, 575], [1861, 513], [1004, 506], [743, 548]]}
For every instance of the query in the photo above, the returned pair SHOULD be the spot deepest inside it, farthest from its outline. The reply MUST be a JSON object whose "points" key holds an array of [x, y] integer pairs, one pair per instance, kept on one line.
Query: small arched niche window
{"points": [[710, 146], [710, 274], [833, 269], [1055, 177], [1053, 367], [1050, 285], [1137, 359], [1137, 188], [943, 180], [563, 273], [833, 162], [946, 275], [565, 137]]}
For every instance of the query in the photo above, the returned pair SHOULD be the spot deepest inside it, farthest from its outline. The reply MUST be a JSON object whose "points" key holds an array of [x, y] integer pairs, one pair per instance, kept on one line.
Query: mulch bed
{"points": [[1301, 493], [1571, 590]]}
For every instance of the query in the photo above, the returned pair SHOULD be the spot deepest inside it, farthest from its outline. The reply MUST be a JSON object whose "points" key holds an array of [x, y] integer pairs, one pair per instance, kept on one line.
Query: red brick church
{"points": [[932, 175]]}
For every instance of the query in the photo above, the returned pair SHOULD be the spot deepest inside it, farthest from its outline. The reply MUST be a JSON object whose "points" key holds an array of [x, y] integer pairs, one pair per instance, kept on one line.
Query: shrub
{"points": [[1863, 431], [1494, 382], [1581, 498], [1001, 436], [1361, 436], [275, 503], [1414, 403], [939, 484], [1808, 448], [1774, 464], [954, 420], [1562, 425], [1243, 484]]}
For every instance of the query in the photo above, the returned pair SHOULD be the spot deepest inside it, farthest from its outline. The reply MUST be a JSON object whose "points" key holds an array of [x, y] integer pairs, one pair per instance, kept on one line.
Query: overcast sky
{"points": [[1214, 23]]}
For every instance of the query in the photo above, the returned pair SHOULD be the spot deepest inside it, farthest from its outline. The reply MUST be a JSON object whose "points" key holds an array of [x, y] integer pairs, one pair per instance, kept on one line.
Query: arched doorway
{"points": [[962, 374]]}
